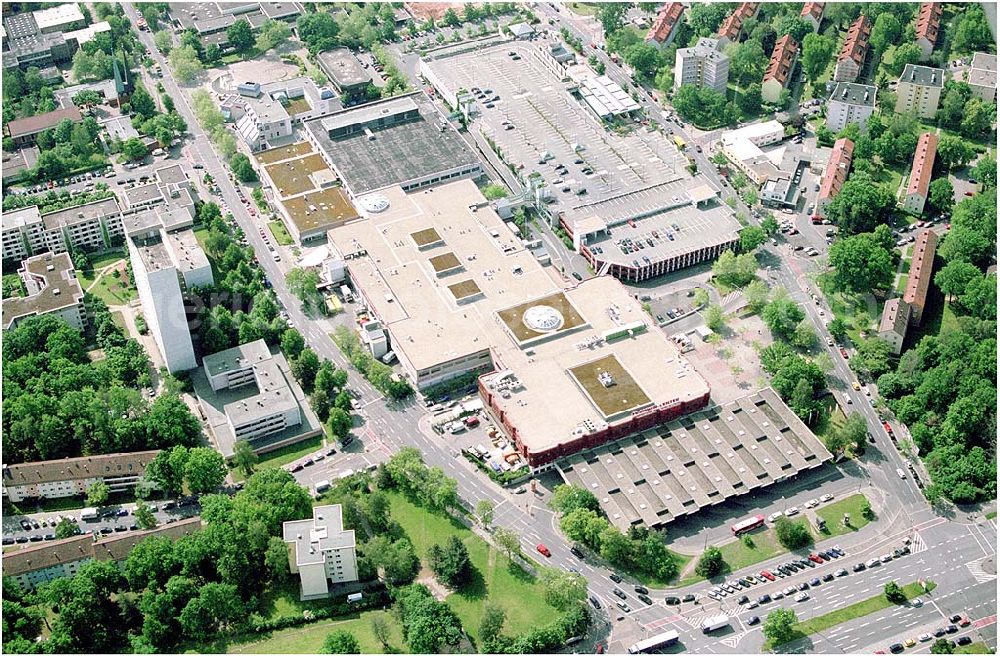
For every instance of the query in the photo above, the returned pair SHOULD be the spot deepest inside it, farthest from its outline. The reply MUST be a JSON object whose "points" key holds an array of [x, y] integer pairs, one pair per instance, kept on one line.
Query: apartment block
{"points": [[813, 12], [53, 290], [779, 71], [664, 28], [322, 551], [894, 323], [703, 65], [850, 103], [70, 477], [733, 25], [919, 91], [928, 26], [982, 76], [920, 174], [91, 227], [265, 122], [835, 174], [921, 272], [853, 52], [272, 409]]}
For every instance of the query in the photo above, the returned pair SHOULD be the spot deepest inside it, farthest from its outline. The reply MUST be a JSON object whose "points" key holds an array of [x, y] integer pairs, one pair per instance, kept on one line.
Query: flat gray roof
{"points": [[413, 150], [696, 461], [368, 113], [343, 67], [57, 288], [239, 357], [312, 537], [854, 94], [70, 216], [923, 75]]}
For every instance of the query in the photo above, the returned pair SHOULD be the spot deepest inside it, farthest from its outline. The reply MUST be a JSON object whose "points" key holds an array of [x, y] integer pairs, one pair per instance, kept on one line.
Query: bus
{"points": [[654, 643], [679, 142], [748, 524]]}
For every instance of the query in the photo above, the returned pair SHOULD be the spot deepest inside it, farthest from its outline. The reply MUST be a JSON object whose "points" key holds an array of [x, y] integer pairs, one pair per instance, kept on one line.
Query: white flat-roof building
{"points": [[850, 103], [703, 65], [458, 292], [60, 18], [90, 227], [919, 90], [322, 551], [742, 148], [272, 409], [982, 76], [53, 290], [265, 121], [606, 97]]}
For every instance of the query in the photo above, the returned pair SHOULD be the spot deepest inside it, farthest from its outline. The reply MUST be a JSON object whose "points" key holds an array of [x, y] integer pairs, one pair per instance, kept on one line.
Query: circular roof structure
{"points": [[374, 203], [543, 318]]}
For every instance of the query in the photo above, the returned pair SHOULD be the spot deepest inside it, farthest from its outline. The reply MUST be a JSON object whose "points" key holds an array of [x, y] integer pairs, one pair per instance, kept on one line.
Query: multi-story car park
{"points": [[52, 290], [70, 477], [659, 475], [461, 294]]}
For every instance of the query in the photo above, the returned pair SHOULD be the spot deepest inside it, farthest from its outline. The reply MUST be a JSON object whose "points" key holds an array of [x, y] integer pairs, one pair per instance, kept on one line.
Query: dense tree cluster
{"points": [[861, 205], [380, 375], [58, 403], [450, 562], [710, 563], [703, 107], [428, 625], [640, 551], [865, 261], [798, 380], [792, 535], [428, 486]]}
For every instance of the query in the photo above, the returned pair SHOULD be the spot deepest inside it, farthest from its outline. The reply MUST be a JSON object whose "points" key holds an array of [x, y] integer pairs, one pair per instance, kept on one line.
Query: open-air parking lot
{"points": [[532, 121]]}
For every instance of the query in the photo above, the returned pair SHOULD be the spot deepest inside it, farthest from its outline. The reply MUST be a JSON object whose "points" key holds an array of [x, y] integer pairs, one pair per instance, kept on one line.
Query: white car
{"points": [[918, 602], [802, 597], [812, 503], [789, 512], [826, 497], [923, 638], [774, 516]]}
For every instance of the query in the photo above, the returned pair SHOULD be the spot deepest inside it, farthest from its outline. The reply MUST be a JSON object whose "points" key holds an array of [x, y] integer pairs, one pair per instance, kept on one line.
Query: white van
{"points": [[322, 486], [389, 357], [355, 597], [901, 474]]}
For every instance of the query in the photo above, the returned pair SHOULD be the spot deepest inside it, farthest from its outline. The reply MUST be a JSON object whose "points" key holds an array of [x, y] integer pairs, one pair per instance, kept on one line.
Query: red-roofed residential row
{"points": [[780, 69], [920, 174], [813, 12], [853, 53], [734, 22], [836, 173], [921, 269], [661, 33], [928, 26]]}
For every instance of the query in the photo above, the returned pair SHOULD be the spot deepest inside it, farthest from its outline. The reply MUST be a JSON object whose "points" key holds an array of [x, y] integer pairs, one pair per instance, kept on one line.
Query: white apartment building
{"points": [[323, 552], [272, 409], [91, 227], [919, 91], [264, 122], [743, 149], [982, 76], [69, 477], [53, 290], [850, 103], [703, 65]]}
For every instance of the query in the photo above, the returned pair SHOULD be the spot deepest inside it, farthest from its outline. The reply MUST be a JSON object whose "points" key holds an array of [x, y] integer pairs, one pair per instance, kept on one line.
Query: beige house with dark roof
{"points": [[54, 479], [895, 321]]}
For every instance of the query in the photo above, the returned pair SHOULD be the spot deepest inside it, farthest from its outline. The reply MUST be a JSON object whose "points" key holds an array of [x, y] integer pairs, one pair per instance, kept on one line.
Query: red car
{"points": [[969, 193], [543, 550], [472, 422], [888, 428], [964, 622], [815, 558], [843, 353], [767, 575]]}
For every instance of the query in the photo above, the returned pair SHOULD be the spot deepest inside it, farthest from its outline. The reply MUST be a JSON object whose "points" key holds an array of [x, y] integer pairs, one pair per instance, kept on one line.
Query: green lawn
{"points": [[891, 177], [765, 545], [496, 580], [309, 638], [975, 648], [949, 321], [283, 456], [857, 610], [280, 233], [113, 291], [832, 419], [992, 515], [834, 515], [583, 8], [119, 319], [97, 264], [850, 308]]}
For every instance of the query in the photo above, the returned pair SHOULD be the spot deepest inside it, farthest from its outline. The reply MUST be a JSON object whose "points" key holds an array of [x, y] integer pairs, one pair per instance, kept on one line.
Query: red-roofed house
{"points": [[813, 12], [25, 131], [779, 71], [853, 52], [928, 26], [835, 174], [734, 22], [921, 269], [920, 175], [662, 32]]}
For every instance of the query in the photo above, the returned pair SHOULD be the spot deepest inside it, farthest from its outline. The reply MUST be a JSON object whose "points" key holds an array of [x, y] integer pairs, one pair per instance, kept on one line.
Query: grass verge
{"points": [[992, 515], [764, 545], [280, 233], [975, 648], [309, 639], [857, 610], [284, 455], [833, 514]]}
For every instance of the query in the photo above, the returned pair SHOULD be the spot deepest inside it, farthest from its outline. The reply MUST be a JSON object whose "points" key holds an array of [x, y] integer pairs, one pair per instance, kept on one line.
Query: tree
{"points": [[240, 36], [494, 191], [885, 32], [973, 231], [244, 457], [427, 623], [715, 317], [941, 197], [804, 336], [484, 511], [710, 564], [611, 15], [340, 423], [749, 102], [168, 468], [816, 52], [341, 643], [318, 30], [954, 152], [451, 562], [972, 32], [144, 516], [792, 535], [205, 470], [898, 57], [943, 646], [747, 62], [507, 541], [134, 149], [837, 328], [563, 589], [700, 298], [644, 58], [702, 106], [67, 528], [242, 168], [492, 621], [955, 276], [756, 294], [751, 238], [142, 103], [567, 498], [97, 494], [851, 435], [705, 19], [163, 41], [862, 263], [734, 271], [894, 593], [304, 283], [782, 315], [861, 205], [779, 626], [185, 64], [794, 25]]}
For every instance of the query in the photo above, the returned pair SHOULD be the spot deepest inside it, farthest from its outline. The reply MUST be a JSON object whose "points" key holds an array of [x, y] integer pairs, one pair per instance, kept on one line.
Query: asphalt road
{"points": [[388, 426]]}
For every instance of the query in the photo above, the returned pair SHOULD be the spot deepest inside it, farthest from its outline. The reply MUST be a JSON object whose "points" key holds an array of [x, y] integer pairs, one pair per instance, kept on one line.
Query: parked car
{"points": [[543, 550]]}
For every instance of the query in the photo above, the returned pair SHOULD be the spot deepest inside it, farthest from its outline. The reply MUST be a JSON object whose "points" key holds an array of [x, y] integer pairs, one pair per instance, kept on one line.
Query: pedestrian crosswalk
{"points": [[696, 620], [981, 575], [918, 545], [734, 640]]}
